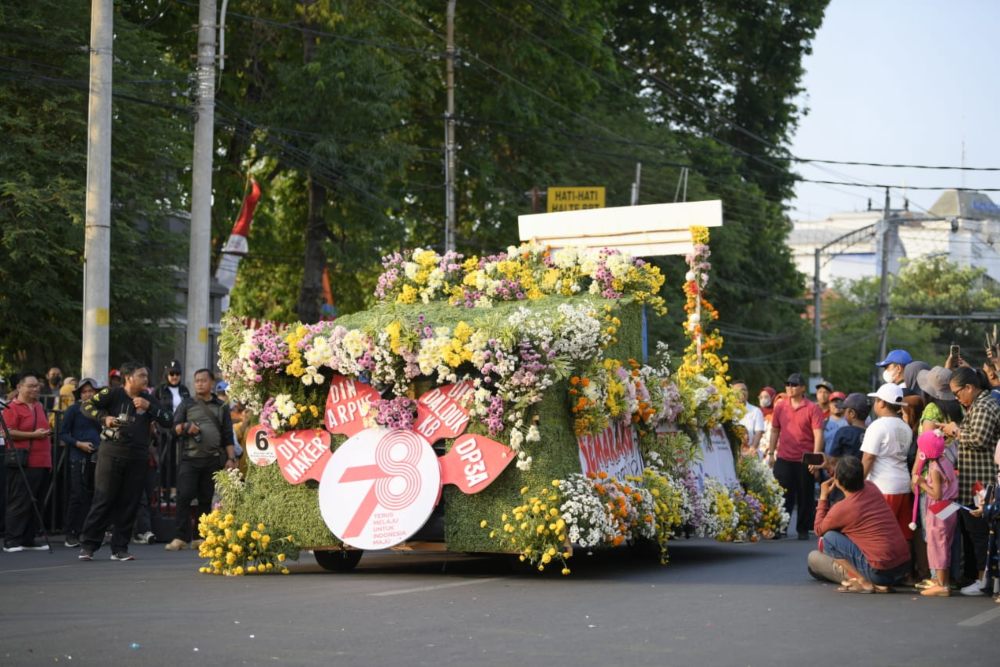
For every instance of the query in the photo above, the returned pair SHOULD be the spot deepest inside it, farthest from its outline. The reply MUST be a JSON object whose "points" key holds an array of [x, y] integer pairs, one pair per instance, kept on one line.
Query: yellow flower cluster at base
{"points": [[234, 550], [534, 529]]}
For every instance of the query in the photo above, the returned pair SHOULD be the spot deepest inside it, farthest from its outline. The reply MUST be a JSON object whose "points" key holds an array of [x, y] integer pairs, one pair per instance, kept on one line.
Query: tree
{"points": [[926, 287], [43, 117]]}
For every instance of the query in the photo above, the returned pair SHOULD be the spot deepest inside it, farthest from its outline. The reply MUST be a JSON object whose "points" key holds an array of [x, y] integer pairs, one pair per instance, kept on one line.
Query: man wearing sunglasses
{"points": [[170, 395], [796, 429]]}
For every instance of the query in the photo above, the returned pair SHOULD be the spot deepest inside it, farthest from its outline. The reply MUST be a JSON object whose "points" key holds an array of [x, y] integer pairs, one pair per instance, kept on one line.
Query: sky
{"points": [[899, 81]]}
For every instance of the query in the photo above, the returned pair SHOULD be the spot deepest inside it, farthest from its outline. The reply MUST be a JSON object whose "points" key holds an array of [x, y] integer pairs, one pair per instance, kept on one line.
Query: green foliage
{"points": [[43, 118], [932, 286], [336, 106]]}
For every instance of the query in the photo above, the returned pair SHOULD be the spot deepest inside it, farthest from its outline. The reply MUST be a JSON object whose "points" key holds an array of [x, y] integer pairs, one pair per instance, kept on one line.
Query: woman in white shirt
{"points": [[883, 454]]}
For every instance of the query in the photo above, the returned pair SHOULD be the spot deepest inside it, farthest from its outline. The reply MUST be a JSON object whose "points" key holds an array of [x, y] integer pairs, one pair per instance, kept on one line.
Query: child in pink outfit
{"points": [[934, 479]]}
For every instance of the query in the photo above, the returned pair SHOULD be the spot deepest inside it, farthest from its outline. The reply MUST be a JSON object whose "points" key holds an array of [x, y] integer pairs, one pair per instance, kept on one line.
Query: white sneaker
{"points": [[145, 538], [974, 589]]}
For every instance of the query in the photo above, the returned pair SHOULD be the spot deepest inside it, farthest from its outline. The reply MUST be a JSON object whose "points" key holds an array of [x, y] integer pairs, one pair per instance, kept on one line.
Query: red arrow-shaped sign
{"points": [[441, 411], [474, 462], [346, 404], [301, 455]]}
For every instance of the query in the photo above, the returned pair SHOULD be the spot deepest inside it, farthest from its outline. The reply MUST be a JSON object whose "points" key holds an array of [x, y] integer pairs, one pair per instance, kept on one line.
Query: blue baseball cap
{"points": [[221, 386], [901, 357]]}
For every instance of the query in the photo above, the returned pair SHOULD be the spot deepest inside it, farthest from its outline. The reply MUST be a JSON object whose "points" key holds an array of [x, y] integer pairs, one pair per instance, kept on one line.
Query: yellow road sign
{"points": [[574, 199]]}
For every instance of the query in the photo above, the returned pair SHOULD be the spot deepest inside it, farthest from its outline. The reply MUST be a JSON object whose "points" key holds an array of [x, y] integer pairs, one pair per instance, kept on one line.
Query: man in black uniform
{"points": [[170, 395], [126, 415], [206, 430]]}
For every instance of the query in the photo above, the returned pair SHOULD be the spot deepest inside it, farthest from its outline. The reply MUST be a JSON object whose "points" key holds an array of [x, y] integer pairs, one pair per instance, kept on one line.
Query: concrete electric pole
{"points": [[97, 243], [199, 258], [885, 236], [449, 135]]}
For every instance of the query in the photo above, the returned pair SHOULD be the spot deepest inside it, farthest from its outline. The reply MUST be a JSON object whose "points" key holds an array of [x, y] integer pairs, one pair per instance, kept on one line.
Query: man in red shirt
{"points": [[796, 429], [29, 430], [860, 533]]}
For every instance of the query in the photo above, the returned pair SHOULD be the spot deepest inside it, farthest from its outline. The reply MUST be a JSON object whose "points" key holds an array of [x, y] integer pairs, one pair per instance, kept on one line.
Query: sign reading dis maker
{"points": [[379, 488], [259, 449], [615, 450], [301, 455], [346, 405]]}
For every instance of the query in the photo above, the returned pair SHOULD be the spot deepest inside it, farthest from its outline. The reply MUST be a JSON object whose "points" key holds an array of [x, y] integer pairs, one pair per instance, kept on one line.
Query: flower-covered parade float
{"points": [[487, 404]]}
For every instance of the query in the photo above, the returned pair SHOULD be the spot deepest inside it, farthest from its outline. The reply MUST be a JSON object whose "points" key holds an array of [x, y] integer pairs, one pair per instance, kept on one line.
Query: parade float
{"points": [[488, 404]]}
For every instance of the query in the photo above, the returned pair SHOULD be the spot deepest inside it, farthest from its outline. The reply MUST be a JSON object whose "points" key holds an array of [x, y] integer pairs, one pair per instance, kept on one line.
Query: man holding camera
{"points": [[861, 538], [126, 415], [205, 427]]}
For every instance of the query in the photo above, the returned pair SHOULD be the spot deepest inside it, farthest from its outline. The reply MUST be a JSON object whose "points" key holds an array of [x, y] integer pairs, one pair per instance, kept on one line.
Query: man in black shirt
{"points": [[126, 416]]}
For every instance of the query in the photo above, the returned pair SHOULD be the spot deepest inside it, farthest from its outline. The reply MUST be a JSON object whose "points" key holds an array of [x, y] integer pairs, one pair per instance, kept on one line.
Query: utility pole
{"points": [[199, 257], [883, 292], [636, 183], [449, 136], [97, 231], [816, 367]]}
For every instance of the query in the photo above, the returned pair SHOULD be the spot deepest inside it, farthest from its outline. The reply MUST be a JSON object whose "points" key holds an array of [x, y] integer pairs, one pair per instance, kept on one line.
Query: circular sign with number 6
{"points": [[379, 488]]}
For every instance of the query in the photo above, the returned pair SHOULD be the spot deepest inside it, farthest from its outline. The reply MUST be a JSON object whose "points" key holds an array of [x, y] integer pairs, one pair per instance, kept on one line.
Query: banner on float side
{"points": [[717, 456], [615, 450]]}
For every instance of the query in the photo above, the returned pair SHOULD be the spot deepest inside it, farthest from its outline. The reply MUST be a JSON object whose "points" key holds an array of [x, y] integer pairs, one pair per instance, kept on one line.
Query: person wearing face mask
{"points": [[752, 420], [766, 402], [894, 367]]}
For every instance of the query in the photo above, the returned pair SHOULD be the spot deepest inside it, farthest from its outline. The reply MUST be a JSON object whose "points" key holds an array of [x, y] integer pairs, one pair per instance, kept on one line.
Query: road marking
{"points": [[979, 619], [422, 589], [35, 569]]}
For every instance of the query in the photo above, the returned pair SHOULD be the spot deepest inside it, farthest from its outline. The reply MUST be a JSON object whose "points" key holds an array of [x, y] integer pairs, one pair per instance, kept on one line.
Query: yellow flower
{"points": [[281, 558], [482, 524], [565, 571]]}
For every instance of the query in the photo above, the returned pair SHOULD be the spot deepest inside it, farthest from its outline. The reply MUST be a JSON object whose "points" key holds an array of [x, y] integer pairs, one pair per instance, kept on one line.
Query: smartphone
{"points": [[955, 351], [813, 459]]}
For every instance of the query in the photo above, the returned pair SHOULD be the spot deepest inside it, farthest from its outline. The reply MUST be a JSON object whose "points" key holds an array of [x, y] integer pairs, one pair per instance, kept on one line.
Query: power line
{"points": [[893, 166]]}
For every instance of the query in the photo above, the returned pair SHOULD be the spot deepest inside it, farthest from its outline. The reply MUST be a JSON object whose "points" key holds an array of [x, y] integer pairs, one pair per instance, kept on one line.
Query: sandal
{"points": [[883, 589], [853, 586], [936, 591], [926, 583]]}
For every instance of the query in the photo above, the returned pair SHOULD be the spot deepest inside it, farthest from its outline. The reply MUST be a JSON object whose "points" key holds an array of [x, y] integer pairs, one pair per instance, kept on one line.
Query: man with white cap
{"points": [[883, 453], [894, 366]]}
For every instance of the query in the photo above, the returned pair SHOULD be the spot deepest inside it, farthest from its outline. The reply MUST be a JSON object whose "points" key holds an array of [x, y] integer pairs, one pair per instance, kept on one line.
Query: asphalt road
{"points": [[714, 604]]}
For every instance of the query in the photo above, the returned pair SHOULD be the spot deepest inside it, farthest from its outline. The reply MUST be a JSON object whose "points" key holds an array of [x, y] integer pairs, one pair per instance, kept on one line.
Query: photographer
{"points": [[126, 415], [861, 537], [205, 427]]}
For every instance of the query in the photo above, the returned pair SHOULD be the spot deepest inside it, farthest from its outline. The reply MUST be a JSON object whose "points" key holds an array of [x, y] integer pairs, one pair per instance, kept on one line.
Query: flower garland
{"points": [[529, 271], [702, 364], [757, 478], [668, 501], [721, 517]]}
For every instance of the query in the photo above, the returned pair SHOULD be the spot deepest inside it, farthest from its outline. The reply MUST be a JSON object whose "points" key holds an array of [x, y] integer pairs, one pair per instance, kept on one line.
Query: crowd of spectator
{"points": [[926, 444], [128, 456]]}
